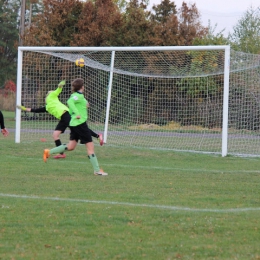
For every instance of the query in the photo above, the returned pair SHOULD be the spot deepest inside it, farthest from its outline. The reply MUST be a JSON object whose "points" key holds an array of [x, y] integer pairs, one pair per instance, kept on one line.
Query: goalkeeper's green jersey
{"points": [[77, 107], [53, 104]]}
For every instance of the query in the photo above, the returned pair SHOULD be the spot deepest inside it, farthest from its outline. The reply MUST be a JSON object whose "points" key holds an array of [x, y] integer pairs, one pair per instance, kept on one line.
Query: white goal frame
{"points": [[113, 50]]}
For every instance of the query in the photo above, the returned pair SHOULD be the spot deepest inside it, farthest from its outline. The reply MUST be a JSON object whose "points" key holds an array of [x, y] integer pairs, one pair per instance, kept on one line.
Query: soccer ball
{"points": [[79, 62]]}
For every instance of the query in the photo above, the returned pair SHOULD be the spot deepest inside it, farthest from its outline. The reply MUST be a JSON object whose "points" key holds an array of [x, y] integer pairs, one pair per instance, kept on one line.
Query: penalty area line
{"points": [[163, 207]]}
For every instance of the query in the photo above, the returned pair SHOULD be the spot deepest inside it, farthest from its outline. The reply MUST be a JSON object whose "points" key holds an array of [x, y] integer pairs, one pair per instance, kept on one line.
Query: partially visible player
{"points": [[4, 131], [78, 126], [59, 111]]}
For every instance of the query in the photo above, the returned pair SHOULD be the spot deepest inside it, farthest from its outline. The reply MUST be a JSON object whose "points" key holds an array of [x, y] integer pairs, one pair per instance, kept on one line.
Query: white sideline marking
{"points": [[173, 208]]}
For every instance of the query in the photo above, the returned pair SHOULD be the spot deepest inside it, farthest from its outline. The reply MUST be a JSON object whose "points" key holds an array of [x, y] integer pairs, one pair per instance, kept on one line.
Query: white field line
{"points": [[163, 207], [149, 167]]}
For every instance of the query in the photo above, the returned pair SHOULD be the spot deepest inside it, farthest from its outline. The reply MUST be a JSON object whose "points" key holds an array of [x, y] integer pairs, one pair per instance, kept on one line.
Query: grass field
{"points": [[153, 205]]}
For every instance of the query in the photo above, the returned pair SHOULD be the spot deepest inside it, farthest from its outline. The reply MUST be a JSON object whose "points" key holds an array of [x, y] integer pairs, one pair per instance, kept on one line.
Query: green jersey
{"points": [[53, 104], [77, 107]]}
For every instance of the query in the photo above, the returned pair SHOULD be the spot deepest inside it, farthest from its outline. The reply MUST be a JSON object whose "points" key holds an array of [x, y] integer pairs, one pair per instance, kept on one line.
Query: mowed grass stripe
{"points": [[144, 167], [163, 207]]}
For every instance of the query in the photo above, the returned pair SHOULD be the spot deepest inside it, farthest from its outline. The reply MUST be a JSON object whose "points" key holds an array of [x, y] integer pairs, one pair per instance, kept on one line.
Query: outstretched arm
{"points": [[34, 110], [62, 83], [57, 91]]}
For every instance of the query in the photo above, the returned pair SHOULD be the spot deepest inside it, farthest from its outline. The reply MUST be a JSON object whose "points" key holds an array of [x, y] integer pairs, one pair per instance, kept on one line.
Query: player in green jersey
{"points": [[78, 126], [60, 111]]}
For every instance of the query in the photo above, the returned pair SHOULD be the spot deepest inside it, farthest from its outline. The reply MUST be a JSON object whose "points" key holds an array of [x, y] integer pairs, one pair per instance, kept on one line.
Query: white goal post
{"points": [[173, 97]]}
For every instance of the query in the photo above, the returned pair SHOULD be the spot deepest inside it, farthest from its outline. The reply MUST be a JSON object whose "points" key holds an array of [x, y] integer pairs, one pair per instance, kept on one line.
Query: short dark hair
{"points": [[77, 84]]}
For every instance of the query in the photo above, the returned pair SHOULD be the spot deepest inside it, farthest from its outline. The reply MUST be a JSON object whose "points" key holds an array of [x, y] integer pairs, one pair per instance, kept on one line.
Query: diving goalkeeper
{"points": [[60, 111]]}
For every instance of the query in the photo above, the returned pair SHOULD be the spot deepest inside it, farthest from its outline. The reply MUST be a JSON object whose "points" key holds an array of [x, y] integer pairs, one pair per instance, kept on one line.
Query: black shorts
{"points": [[64, 122], [81, 132]]}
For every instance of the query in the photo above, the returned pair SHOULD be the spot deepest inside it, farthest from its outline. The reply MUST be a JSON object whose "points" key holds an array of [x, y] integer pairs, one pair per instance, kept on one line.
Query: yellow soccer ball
{"points": [[80, 62]]}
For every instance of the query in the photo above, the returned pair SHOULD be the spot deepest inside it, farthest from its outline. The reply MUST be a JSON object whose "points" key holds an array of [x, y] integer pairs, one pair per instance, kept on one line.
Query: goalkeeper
{"points": [[60, 111], [4, 131]]}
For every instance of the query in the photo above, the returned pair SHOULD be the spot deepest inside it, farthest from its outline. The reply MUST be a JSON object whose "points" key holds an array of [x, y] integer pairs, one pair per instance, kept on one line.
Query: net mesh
{"points": [[159, 99]]}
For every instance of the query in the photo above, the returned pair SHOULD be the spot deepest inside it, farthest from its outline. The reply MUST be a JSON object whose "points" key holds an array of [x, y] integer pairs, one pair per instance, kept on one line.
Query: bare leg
{"points": [[71, 145], [90, 148]]}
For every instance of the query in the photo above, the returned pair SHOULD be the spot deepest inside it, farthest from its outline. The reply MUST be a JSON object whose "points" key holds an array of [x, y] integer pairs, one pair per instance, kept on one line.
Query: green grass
{"points": [[153, 205]]}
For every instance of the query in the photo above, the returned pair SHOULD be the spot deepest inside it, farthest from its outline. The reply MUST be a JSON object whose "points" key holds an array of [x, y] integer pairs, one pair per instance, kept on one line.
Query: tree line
{"points": [[113, 23]]}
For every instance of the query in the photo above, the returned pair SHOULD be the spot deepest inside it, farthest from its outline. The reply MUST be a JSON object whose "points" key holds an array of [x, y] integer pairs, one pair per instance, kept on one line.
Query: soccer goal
{"points": [[185, 98]]}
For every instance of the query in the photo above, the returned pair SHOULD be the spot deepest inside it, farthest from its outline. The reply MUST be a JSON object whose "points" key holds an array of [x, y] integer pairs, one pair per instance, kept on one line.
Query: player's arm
{"points": [[4, 131], [58, 90], [62, 83], [2, 122], [34, 110], [73, 109]]}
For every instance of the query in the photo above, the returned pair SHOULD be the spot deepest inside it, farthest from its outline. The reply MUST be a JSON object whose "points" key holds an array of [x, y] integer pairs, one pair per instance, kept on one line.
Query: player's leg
{"points": [[60, 149], [60, 129], [71, 145], [98, 136], [86, 138], [56, 138], [93, 159]]}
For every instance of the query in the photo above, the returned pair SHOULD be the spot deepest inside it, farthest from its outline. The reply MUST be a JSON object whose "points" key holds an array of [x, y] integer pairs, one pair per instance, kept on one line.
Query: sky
{"points": [[222, 13]]}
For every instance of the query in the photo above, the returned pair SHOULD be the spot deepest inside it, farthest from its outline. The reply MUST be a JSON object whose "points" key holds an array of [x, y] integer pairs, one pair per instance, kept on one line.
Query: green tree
{"points": [[211, 38], [162, 11], [246, 35], [137, 26], [8, 39]]}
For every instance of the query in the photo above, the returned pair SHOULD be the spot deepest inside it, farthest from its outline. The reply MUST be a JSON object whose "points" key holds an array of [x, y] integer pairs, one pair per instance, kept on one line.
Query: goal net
{"points": [[176, 98]]}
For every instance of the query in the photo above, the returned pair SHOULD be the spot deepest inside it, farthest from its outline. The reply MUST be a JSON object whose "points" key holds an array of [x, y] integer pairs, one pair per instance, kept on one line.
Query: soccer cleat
{"points": [[59, 156], [100, 138], [100, 173], [46, 154]]}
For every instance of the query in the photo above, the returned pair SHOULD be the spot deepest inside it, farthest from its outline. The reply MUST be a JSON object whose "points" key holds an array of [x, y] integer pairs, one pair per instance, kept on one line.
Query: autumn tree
{"points": [[8, 39], [189, 24], [56, 25], [175, 27], [165, 24], [98, 25], [105, 23]]}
